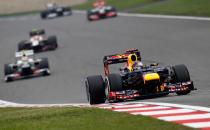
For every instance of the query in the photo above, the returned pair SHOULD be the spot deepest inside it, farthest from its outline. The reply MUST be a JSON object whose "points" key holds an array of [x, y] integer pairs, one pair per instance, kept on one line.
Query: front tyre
{"points": [[44, 64], [7, 71], [23, 46], [181, 74], [95, 89], [89, 16], [43, 14]]}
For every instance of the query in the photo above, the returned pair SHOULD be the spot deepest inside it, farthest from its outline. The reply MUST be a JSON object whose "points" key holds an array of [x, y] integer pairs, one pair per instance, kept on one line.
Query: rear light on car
{"points": [[37, 71], [110, 14], [17, 75], [94, 16]]}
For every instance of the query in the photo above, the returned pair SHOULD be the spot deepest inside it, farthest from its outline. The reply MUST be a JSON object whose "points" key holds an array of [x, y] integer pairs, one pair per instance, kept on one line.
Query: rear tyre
{"points": [[114, 10], [67, 9], [43, 14], [95, 89], [115, 82], [22, 46], [52, 41], [42, 32], [88, 16], [181, 74]]}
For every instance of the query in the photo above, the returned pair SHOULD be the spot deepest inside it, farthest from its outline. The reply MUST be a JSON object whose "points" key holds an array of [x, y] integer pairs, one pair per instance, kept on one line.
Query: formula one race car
{"points": [[26, 66], [137, 80], [54, 11], [38, 42], [101, 11]]}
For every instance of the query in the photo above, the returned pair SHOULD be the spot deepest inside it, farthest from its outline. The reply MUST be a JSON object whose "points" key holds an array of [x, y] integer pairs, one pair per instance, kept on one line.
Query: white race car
{"points": [[38, 42], [25, 66]]}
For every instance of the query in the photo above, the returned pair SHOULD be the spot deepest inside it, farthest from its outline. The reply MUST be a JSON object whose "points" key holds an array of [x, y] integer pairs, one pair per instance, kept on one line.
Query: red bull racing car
{"points": [[26, 66], [136, 80], [101, 11], [38, 42]]}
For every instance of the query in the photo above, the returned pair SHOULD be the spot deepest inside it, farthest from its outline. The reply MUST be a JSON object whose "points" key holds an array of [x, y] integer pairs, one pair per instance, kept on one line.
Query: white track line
{"points": [[155, 16], [12, 104], [123, 14], [164, 16]]}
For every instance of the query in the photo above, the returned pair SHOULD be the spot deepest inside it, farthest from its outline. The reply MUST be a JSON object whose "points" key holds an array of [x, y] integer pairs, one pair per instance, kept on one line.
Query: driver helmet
{"points": [[137, 65], [24, 58], [34, 30]]}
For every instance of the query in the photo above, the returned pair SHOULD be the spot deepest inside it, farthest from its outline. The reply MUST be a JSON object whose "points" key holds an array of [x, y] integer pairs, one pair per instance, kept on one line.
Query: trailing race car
{"points": [[53, 11], [101, 11], [26, 66], [38, 42], [136, 80]]}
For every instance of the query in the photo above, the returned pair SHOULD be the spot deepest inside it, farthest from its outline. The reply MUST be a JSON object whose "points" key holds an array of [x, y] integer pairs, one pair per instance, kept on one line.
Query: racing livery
{"points": [[26, 66], [38, 42], [53, 11], [101, 11], [136, 80]]}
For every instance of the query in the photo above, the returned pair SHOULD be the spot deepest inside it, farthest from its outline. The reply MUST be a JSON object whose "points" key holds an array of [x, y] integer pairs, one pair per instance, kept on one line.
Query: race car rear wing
{"points": [[22, 53], [119, 58]]}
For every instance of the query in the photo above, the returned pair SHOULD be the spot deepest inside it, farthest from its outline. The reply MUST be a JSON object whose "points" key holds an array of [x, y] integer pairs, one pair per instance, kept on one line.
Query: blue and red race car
{"points": [[136, 80]]}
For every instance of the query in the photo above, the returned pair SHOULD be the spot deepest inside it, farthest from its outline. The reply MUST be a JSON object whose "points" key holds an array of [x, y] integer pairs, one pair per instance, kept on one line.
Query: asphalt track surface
{"points": [[83, 44]]}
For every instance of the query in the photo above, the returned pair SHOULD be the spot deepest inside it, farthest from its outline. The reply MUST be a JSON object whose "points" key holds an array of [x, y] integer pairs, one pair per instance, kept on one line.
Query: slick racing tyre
{"points": [[67, 10], [181, 74], [113, 10], [43, 14], [95, 89], [41, 32], [23, 46], [88, 16], [52, 41], [115, 82], [44, 64], [8, 70]]}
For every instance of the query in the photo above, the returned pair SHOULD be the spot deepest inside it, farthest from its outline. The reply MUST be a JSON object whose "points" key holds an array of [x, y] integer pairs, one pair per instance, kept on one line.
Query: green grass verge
{"points": [[78, 119], [180, 7], [118, 4]]}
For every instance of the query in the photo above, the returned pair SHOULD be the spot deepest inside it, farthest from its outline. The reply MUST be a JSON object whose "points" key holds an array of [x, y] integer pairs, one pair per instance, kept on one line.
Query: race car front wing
{"points": [[16, 76], [169, 88]]}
